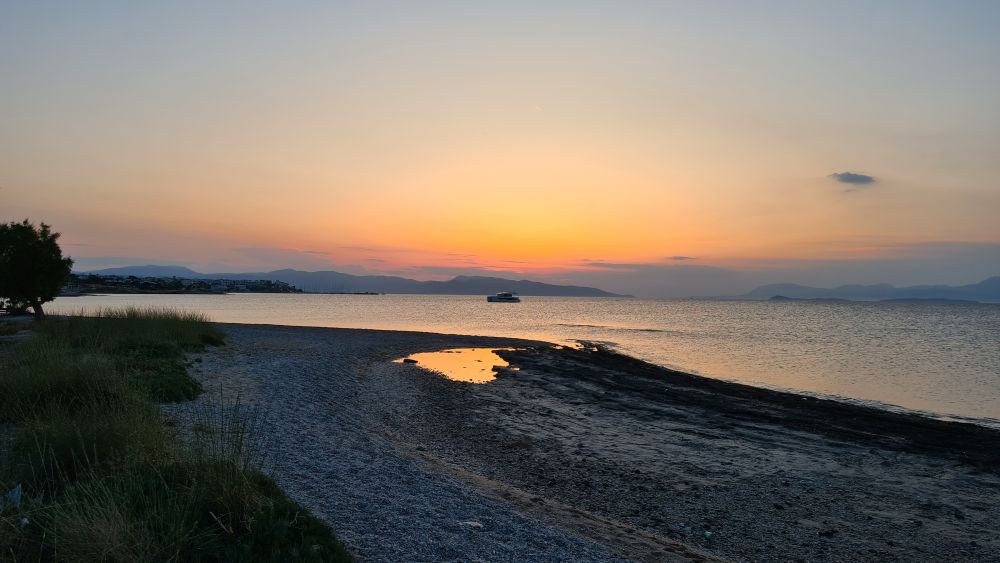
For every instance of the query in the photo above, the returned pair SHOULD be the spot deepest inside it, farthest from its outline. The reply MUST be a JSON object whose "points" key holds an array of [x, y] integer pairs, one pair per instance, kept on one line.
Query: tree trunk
{"points": [[36, 305]]}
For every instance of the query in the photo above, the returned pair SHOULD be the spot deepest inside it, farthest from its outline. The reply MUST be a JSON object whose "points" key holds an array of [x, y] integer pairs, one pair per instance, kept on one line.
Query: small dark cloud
{"points": [[853, 178], [421, 271], [681, 258]]}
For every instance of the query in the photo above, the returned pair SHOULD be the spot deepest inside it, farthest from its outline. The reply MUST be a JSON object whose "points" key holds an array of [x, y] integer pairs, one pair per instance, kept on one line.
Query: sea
{"points": [[940, 359]]}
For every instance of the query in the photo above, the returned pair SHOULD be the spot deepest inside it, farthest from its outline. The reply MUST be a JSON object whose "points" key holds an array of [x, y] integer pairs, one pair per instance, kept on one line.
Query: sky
{"points": [[656, 148]]}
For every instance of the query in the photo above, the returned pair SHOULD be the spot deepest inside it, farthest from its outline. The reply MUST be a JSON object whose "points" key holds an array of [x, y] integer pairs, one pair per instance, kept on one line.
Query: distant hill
{"points": [[986, 290], [151, 272], [329, 281]]}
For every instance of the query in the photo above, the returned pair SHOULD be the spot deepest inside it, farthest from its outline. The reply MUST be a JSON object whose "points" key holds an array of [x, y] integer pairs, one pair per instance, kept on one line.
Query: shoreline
{"points": [[929, 371], [595, 456], [866, 405], [963, 440]]}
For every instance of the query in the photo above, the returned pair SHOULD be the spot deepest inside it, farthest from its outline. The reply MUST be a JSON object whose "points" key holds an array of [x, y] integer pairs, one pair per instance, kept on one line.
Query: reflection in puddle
{"points": [[472, 365]]}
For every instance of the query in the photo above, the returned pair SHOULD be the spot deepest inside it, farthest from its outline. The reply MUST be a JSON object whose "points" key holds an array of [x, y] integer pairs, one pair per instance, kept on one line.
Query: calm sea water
{"points": [[937, 358]]}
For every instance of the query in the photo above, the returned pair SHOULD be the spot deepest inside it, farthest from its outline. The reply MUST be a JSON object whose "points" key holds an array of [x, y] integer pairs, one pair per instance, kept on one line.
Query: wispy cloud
{"points": [[629, 266], [603, 265], [267, 257]]}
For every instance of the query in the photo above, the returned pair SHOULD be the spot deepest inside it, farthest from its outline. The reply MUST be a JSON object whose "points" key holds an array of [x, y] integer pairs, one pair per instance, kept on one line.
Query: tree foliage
{"points": [[32, 267]]}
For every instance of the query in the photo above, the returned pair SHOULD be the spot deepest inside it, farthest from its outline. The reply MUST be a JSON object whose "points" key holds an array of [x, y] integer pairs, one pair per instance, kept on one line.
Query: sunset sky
{"points": [[656, 148]]}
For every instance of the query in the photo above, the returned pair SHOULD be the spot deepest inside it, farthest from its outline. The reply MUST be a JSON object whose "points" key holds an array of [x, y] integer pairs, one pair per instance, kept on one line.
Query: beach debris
{"points": [[709, 536], [409, 361], [471, 524], [12, 499]]}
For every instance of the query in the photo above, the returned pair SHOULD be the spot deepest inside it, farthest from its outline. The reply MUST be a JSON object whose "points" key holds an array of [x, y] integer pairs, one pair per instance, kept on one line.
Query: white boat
{"points": [[503, 297]]}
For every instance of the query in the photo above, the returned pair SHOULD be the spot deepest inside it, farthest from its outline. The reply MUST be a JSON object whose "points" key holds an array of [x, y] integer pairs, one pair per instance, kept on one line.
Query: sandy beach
{"points": [[591, 456]]}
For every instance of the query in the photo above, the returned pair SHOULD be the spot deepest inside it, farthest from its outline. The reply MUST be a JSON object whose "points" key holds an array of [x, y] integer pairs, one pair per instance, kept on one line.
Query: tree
{"points": [[32, 267]]}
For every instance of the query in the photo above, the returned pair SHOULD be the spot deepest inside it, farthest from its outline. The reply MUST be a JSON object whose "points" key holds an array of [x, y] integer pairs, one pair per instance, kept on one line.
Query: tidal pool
{"points": [[470, 365]]}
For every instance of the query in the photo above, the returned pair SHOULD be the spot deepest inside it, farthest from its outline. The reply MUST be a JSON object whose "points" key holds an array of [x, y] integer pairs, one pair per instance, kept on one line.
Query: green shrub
{"points": [[158, 369]]}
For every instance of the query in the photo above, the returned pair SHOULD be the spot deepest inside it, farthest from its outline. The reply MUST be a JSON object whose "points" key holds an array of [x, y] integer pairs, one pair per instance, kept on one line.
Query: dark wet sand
{"points": [[639, 460], [637, 449]]}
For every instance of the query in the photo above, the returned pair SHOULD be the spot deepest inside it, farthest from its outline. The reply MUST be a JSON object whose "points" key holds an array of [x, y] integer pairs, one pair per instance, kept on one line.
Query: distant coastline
{"points": [[339, 282], [96, 284], [916, 300], [986, 291]]}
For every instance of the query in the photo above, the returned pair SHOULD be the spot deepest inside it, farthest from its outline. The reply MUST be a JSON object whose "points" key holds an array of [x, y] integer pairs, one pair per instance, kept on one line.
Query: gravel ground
{"points": [[592, 456], [326, 431], [770, 476]]}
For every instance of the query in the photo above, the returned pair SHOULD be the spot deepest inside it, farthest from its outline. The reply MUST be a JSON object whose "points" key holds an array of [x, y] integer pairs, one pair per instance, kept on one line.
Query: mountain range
{"points": [[986, 290], [338, 282]]}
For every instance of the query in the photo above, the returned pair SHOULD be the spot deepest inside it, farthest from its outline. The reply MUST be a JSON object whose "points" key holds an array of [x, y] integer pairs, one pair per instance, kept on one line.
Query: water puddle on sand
{"points": [[471, 365]]}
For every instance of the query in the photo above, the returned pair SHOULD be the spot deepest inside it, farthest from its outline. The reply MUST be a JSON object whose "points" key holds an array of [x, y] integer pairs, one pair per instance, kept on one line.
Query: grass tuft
{"points": [[106, 478]]}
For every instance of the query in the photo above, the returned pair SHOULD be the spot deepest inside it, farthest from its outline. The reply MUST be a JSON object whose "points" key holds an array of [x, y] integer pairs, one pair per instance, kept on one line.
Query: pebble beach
{"points": [[586, 455]]}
